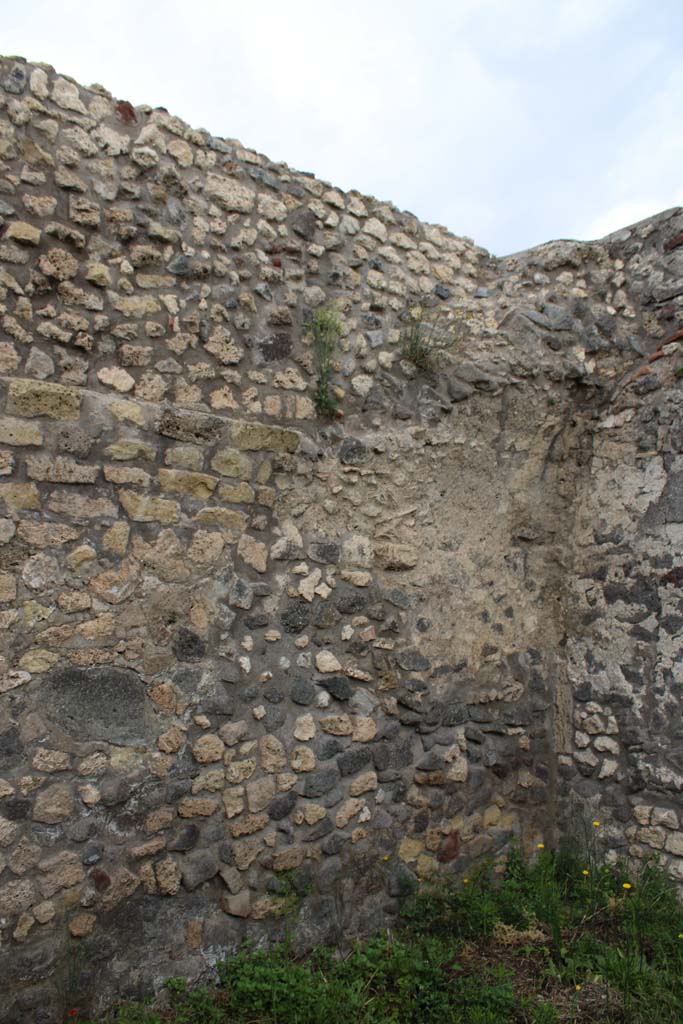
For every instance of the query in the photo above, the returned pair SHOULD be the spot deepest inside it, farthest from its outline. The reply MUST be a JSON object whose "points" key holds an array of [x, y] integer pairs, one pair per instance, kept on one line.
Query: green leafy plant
{"points": [[429, 334], [325, 329], [562, 937]]}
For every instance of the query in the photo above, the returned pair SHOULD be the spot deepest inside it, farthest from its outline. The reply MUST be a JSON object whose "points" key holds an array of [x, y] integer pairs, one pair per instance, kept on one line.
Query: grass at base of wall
{"points": [[562, 940]]}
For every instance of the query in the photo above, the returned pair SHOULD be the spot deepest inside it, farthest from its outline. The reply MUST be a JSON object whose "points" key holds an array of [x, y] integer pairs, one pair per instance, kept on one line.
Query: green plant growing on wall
{"points": [[325, 328], [429, 334], [290, 894]]}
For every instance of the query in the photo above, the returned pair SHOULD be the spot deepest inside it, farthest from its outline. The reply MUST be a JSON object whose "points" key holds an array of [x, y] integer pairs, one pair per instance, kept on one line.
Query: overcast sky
{"points": [[511, 121]]}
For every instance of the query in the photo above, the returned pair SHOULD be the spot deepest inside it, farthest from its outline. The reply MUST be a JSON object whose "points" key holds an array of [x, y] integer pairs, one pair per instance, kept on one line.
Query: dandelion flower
{"points": [[385, 857], [585, 872], [627, 885], [465, 881], [577, 987], [540, 846], [596, 824]]}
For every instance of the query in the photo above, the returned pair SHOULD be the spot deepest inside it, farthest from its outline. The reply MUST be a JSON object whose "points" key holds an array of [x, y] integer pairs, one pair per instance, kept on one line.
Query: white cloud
{"points": [[512, 121], [619, 216]]}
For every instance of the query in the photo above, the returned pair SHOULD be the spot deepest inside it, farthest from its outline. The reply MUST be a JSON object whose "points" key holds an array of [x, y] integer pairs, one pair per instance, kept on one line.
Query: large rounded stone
{"points": [[100, 704]]}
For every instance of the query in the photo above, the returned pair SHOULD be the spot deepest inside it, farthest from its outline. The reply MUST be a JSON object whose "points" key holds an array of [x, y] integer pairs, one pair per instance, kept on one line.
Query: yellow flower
{"points": [[596, 824], [627, 885], [577, 987], [385, 857], [585, 872], [680, 935], [540, 846], [465, 881]]}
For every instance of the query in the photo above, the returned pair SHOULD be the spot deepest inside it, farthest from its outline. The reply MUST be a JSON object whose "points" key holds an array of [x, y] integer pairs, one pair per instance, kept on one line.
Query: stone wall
{"points": [[261, 671]]}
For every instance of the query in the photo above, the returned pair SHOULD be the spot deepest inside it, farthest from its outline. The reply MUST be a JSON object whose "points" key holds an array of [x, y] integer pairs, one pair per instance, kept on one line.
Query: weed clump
{"points": [[429, 335], [325, 328], [563, 938]]}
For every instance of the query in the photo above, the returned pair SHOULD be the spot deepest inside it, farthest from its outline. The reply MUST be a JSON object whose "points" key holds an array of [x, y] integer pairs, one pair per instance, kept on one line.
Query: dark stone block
{"points": [[185, 425], [326, 552], [282, 806], [302, 692], [114, 791], [329, 748], [178, 788], [15, 80], [328, 874], [352, 452], [226, 853], [16, 808], [320, 829], [241, 594], [325, 615], [33, 964], [338, 687], [187, 646], [187, 679], [100, 704], [351, 603], [411, 660], [277, 346], [274, 719], [180, 265], [353, 760], [257, 621], [332, 845], [11, 748], [401, 882], [197, 868], [184, 839], [295, 617], [304, 224], [320, 781], [392, 755], [92, 855]]}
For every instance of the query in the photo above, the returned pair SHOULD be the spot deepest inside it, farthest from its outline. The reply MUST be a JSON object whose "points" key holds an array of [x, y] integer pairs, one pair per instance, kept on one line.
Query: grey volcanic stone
{"points": [[402, 881], [327, 552], [198, 867], [352, 452], [281, 806], [100, 704], [295, 617], [304, 225], [321, 781], [185, 839], [302, 692], [412, 661], [187, 646], [16, 79], [329, 748], [114, 791], [353, 760], [11, 747], [338, 686]]}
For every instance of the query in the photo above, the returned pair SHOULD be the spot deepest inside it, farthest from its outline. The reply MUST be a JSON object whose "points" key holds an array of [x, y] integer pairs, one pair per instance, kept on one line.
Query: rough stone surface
{"points": [[238, 638]]}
